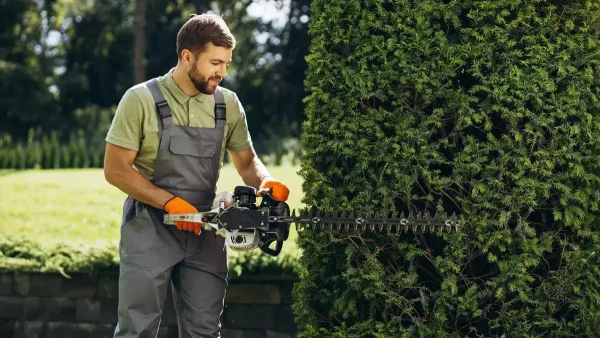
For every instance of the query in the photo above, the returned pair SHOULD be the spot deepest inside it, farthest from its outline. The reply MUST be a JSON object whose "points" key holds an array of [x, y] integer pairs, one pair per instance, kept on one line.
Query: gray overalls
{"points": [[153, 254]]}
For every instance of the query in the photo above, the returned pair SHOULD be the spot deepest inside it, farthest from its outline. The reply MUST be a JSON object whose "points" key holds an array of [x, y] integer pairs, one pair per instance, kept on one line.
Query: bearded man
{"points": [[165, 149]]}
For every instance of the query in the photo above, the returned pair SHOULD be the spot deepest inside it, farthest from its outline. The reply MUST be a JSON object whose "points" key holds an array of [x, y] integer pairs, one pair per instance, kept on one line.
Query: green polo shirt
{"points": [[135, 124]]}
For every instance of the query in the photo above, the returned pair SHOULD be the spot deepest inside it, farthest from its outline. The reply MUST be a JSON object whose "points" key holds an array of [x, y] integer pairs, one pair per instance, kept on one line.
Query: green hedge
{"points": [[19, 254], [47, 152], [489, 109], [82, 147]]}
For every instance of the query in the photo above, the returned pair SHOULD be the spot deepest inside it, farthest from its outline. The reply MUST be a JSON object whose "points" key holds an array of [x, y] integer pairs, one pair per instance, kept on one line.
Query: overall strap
{"points": [[161, 104], [220, 109]]}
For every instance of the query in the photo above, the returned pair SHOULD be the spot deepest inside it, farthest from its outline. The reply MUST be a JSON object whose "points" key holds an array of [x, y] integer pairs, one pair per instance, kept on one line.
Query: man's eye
{"points": [[215, 63]]}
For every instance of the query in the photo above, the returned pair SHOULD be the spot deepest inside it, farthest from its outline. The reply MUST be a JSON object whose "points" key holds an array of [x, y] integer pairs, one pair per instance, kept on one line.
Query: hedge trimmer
{"points": [[246, 226]]}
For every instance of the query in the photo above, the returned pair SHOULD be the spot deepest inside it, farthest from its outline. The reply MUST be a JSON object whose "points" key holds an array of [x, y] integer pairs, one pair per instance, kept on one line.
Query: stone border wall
{"points": [[35, 305]]}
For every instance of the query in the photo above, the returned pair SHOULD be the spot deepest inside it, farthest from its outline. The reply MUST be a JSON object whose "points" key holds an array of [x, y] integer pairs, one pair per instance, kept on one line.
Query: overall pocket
{"points": [[138, 238], [192, 158]]}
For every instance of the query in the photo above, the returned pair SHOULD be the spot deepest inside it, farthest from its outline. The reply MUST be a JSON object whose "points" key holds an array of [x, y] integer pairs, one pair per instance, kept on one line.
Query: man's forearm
{"points": [[134, 184], [254, 172]]}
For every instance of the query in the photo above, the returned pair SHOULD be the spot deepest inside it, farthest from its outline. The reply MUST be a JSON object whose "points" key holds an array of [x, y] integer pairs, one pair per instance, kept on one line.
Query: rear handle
{"points": [[273, 252]]}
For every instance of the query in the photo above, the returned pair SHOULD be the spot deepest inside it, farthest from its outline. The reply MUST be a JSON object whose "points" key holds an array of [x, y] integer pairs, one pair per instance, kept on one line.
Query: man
{"points": [[174, 129]]}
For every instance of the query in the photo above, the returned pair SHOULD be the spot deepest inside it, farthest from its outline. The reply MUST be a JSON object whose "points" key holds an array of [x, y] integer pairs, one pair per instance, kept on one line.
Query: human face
{"points": [[210, 68]]}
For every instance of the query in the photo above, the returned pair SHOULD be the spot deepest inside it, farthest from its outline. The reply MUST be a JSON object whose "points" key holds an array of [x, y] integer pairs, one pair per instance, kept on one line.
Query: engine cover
{"points": [[243, 240]]}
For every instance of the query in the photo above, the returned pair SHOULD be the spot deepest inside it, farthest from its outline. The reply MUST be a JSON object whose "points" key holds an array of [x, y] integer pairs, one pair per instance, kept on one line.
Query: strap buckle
{"points": [[220, 111], [163, 109]]}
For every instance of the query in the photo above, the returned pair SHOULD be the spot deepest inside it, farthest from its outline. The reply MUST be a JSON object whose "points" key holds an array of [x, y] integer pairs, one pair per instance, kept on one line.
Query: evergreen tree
{"points": [[488, 109]]}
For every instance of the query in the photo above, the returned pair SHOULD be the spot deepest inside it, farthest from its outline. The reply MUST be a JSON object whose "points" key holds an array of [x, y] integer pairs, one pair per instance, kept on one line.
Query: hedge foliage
{"points": [[20, 254], [489, 109], [83, 147]]}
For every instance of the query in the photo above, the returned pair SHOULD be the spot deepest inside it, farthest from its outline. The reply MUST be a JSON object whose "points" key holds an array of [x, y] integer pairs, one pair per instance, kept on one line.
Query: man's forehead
{"points": [[217, 50]]}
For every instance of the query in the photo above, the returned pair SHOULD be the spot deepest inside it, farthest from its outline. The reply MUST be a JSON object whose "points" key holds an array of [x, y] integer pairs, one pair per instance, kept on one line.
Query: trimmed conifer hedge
{"points": [[489, 109]]}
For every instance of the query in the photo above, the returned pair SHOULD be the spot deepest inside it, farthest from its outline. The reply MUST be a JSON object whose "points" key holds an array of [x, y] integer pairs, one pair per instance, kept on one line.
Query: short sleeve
{"points": [[238, 136], [126, 128]]}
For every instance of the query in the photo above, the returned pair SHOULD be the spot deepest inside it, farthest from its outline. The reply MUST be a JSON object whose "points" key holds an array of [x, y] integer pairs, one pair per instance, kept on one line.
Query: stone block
{"points": [[11, 307], [88, 310], [286, 288], [66, 329], [230, 333], [103, 330], [262, 277], [61, 329], [237, 333], [108, 287], [21, 284], [277, 334], [284, 319], [248, 316], [35, 309], [254, 334], [109, 310], [9, 328], [5, 284], [61, 309], [46, 285], [253, 294], [80, 286], [35, 329]]}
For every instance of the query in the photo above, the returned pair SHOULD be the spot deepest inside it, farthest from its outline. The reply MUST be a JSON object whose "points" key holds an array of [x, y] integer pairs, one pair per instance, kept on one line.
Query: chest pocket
{"points": [[196, 147], [192, 163]]}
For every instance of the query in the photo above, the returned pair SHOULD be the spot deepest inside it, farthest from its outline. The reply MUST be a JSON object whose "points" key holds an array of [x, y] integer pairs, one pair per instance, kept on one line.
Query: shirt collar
{"points": [[180, 96]]}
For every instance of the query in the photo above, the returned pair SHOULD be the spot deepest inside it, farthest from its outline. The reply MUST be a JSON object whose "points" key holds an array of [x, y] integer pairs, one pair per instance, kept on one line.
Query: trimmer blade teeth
{"points": [[375, 221]]}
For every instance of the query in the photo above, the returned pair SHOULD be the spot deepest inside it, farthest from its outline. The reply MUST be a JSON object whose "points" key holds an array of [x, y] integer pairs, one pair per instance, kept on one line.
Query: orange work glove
{"points": [[279, 191], [177, 205]]}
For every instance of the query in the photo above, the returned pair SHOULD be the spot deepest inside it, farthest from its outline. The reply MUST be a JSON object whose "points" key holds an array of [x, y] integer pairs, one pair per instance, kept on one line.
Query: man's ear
{"points": [[187, 57]]}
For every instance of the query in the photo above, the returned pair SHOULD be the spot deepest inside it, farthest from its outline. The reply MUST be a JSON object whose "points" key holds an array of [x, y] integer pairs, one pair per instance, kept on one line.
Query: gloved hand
{"points": [[279, 191], [177, 205], [225, 196]]}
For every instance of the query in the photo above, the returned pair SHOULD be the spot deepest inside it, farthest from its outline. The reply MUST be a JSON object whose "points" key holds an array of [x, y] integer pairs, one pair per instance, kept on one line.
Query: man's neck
{"points": [[182, 80]]}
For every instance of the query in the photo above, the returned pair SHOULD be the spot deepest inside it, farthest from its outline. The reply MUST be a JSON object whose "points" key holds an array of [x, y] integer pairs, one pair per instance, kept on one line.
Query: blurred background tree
{"points": [[66, 63]]}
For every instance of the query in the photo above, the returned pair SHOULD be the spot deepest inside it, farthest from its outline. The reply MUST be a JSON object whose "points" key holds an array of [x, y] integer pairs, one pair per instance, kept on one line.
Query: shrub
{"points": [[21, 254], [484, 108], [82, 147]]}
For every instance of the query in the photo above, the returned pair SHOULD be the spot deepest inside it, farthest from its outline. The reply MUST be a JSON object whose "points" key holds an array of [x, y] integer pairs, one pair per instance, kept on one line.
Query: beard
{"points": [[203, 83]]}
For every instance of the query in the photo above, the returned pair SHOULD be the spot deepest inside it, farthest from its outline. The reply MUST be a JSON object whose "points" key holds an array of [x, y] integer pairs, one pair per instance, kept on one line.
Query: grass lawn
{"points": [[78, 206]]}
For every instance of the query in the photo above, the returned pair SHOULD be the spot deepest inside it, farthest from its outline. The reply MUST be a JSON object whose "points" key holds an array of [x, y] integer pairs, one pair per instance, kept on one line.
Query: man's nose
{"points": [[222, 72]]}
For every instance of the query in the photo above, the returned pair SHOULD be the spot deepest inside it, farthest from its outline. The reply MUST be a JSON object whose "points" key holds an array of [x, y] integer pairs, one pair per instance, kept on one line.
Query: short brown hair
{"points": [[202, 29]]}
